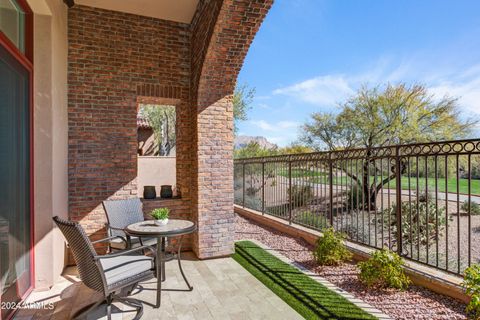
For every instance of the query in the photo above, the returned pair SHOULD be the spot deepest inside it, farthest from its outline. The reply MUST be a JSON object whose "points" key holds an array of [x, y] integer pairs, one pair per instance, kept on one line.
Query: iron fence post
{"points": [[263, 187], [398, 190], [330, 187], [243, 184], [290, 205]]}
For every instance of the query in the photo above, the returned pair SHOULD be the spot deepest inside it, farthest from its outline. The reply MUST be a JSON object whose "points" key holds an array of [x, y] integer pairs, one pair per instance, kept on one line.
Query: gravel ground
{"points": [[414, 303]]}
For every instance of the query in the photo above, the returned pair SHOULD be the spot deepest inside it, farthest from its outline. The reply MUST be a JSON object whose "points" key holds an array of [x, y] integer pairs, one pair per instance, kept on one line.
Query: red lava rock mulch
{"points": [[413, 303]]}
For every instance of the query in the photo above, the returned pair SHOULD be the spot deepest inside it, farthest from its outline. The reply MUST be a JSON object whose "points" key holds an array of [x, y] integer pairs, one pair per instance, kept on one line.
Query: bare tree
{"points": [[162, 119]]}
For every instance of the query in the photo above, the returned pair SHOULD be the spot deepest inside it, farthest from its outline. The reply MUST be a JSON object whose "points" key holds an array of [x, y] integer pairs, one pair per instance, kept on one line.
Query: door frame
{"points": [[26, 60]]}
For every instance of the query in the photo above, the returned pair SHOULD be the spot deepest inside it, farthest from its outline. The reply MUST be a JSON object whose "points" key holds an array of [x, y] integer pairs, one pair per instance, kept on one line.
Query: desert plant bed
{"points": [[413, 303]]}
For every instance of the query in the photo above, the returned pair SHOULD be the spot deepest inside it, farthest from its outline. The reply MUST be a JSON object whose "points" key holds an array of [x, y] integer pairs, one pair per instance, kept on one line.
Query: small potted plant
{"points": [[160, 216]]}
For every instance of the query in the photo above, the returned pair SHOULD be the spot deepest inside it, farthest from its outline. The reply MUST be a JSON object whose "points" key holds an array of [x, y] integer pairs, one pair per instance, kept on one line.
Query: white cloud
{"points": [[463, 85], [279, 140], [264, 125], [280, 132], [275, 127], [287, 124], [322, 90], [328, 90], [263, 106]]}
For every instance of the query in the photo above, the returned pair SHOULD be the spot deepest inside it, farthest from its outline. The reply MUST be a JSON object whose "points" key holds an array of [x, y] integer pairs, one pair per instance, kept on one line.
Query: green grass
{"points": [[297, 173], [322, 177], [441, 183], [308, 297]]}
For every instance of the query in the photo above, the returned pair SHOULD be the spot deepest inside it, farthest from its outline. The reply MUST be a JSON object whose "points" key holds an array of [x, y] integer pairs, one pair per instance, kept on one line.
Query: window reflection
{"points": [[12, 22]]}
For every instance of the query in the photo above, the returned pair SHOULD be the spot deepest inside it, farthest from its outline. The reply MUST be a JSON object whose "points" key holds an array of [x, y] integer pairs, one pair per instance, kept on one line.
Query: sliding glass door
{"points": [[15, 216]]}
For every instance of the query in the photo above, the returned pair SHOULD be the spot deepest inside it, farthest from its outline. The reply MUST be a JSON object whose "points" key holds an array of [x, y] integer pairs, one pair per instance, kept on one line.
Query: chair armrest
{"points": [[124, 252], [111, 238], [113, 228]]}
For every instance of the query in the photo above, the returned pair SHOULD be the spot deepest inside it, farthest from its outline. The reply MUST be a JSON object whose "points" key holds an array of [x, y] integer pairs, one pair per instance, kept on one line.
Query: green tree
{"points": [[253, 149], [162, 119], [295, 148], [381, 116], [242, 100]]}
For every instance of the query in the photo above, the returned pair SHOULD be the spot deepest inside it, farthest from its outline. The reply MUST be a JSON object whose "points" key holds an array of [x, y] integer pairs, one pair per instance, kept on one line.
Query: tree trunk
{"points": [[369, 189]]}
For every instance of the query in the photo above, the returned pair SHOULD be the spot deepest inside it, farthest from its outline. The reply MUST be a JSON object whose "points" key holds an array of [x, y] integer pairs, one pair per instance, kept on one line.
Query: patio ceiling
{"points": [[178, 10]]}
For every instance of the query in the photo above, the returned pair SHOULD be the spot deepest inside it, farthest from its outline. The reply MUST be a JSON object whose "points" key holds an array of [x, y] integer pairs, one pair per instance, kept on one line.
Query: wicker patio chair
{"points": [[113, 275], [120, 214]]}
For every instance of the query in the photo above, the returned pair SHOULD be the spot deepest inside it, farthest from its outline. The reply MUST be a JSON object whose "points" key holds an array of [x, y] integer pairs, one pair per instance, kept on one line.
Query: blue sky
{"points": [[311, 54]]}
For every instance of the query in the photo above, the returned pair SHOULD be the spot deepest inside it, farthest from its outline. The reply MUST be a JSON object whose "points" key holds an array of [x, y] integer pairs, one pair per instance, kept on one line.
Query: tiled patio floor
{"points": [[222, 290]]}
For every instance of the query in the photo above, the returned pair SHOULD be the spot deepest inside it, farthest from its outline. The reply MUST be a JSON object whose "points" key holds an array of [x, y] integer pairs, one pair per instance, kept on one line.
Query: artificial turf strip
{"points": [[308, 297]]}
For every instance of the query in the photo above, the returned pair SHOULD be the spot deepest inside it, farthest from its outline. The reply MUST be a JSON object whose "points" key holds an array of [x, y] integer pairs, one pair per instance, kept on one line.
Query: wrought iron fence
{"points": [[421, 200]]}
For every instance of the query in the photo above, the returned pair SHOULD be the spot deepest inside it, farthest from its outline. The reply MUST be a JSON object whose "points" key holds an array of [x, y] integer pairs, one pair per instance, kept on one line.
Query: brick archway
{"points": [[124, 56], [222, 32]]}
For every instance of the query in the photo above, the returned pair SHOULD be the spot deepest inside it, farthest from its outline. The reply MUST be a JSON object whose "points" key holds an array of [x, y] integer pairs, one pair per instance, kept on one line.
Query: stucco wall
{"points": [[156, 171], [50, 136]]}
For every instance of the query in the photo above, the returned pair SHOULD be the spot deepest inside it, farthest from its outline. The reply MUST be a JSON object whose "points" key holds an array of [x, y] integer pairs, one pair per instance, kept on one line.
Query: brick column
{"points": [[215, 179], [222, 32]]}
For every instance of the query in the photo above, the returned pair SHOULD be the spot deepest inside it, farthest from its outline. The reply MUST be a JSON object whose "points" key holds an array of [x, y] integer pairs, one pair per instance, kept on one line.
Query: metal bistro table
{"points": [[173, 228]]}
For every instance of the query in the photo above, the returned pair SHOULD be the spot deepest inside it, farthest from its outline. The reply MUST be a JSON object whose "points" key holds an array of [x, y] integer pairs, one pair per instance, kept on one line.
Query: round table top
{"points": [[174, 227]]}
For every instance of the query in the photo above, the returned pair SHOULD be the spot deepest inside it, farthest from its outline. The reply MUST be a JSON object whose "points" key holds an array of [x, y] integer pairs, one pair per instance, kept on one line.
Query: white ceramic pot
{"points": [[161, 222]]}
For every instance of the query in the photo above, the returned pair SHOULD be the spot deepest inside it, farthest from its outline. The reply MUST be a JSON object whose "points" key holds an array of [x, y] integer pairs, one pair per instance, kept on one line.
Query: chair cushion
{"points": [[123, 269], [119, 244]]}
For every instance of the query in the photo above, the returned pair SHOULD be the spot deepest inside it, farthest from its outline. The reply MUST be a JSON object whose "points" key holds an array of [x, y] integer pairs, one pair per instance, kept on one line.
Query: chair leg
{"points": [[163, 259], [179, 259], [125, 292], [133, 303], [109, 307], [109, 299]]}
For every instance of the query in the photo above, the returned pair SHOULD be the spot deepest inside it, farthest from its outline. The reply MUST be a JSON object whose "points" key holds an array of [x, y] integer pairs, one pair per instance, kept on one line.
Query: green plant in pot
{"points": [[160, 216]]}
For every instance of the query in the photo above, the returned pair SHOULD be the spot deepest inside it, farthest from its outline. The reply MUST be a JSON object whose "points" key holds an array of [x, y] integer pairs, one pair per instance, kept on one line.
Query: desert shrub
{"points": [[358, 234], [417, 222], [238, 197], [238, 184], [330, 249], [251, 191], [354, 197], [252, 202], [311, 219], [301, 195], [383, 270], [474, 208], [424, 196], [471, 283]]}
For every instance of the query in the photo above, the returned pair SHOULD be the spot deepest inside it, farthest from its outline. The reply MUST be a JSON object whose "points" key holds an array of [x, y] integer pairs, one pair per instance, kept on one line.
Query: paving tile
{"points": [[222, 290]]}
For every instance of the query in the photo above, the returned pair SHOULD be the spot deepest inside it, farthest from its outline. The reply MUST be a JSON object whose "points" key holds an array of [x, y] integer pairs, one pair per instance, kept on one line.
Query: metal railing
{"points": [[357, 191]]}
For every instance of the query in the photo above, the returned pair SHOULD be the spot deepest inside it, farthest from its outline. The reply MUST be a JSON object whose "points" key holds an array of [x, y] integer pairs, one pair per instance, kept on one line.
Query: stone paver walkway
{"points": [[222, 290]]}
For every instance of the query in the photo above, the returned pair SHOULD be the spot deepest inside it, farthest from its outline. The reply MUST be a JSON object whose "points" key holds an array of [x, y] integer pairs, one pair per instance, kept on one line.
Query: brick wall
{"points": [[115, 59]]}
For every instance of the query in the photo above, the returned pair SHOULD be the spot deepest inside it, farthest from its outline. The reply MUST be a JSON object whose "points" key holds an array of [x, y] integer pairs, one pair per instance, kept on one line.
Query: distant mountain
{"points": [[242, 141]]}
